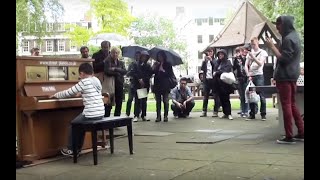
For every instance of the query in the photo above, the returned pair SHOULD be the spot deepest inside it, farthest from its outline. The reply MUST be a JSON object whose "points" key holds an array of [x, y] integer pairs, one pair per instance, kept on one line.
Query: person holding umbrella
{"points": [[163, 72], [141, 73], [132, 89]]}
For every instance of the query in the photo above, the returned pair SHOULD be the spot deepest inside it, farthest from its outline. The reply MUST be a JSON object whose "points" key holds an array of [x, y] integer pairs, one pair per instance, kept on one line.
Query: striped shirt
{"points": [[90, 89]]}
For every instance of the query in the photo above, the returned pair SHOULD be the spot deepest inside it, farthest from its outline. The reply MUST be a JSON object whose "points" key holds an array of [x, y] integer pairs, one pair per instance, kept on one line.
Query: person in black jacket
{"points": [[163, 71], [98, 69], [238, 66], [141, 73], [223, 89], [208, 83], [114, 67], [286, 74], [132, 89]]}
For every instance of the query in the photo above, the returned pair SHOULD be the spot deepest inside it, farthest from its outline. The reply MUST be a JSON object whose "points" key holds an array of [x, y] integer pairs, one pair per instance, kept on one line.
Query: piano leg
{"points": [[33, 156]]}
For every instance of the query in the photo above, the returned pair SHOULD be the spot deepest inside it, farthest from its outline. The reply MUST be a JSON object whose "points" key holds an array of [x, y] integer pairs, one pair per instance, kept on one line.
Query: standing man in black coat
{"points": [[207, 68]]}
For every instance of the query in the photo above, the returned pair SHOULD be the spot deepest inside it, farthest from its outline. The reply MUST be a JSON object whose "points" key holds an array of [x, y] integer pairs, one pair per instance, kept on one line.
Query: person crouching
{"points": [[182, 100]]}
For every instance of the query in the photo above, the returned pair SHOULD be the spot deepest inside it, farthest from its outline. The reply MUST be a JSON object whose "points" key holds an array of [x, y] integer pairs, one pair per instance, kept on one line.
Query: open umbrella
{"points": [[130, 51], [113, 38], [172, 57]]}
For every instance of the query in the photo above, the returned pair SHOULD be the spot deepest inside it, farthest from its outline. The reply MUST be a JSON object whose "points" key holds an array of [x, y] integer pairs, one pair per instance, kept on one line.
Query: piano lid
{"points": [[46, 89]]}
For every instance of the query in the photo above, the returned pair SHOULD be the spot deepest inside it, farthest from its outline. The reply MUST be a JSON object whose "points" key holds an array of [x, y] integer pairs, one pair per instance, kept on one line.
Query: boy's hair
{"points": [[86, 68]]}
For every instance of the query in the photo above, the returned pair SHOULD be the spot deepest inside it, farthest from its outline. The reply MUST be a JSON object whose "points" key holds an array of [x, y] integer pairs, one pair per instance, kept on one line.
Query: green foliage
{"points": [[32, 16], [93, 49], [151, 30], [79, 35], [112, 15], [274, 8]]}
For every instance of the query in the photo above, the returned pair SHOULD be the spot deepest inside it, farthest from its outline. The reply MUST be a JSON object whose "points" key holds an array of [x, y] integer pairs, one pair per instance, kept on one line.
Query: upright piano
{"points": [[42, 123]]}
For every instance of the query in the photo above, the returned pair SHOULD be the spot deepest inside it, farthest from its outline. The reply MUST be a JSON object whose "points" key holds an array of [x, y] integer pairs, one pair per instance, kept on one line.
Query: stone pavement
{"points": [[187, 149]]}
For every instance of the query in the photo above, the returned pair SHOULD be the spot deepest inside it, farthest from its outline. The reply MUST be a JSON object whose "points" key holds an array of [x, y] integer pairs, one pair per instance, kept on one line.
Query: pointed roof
{"points": [[246, 22]]}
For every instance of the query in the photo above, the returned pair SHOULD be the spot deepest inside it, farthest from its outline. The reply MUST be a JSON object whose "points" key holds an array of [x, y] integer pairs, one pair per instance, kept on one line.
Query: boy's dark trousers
{"points": [[177, 111]]}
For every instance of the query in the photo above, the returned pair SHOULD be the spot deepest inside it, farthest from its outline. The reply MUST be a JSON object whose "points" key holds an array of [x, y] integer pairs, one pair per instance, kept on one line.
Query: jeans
{"points": [[165, 99], [287, 92], [241, 89], [208, 86], [177, 111], [132, 94], [140, 105], [80, 137], [258, 80]]}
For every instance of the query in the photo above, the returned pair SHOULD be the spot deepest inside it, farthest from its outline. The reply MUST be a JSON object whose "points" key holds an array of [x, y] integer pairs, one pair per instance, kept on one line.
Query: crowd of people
{"points": [[106, 76]]}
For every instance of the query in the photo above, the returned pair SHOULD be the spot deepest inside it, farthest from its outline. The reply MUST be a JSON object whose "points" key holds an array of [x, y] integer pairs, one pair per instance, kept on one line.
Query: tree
{"points": [[112, 15], [274, 8], [32, 16], [151, 30], [79, 35]]}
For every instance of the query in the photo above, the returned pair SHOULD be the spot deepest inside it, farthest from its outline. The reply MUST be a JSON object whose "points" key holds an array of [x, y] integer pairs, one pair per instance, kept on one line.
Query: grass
{"points": [[151, 104]]}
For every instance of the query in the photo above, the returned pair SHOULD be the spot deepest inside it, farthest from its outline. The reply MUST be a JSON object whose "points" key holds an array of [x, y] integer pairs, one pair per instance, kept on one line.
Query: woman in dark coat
{"points": [[223, 89], [163, 71]]}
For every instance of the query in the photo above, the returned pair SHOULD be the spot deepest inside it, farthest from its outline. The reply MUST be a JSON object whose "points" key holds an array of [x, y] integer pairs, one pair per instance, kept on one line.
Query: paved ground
{"points": [[181, 149]]}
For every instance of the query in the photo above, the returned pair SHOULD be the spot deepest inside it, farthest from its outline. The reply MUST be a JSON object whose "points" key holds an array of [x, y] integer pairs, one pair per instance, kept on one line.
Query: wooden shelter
{"points": [[247, 22]]}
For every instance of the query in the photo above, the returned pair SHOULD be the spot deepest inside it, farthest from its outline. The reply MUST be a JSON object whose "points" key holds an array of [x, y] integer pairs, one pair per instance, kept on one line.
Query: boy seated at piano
{"points": [[90, 88]]}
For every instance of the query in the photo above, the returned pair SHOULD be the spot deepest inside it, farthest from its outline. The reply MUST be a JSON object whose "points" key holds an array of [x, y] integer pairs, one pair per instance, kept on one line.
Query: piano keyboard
{"points": [[54, 100]]}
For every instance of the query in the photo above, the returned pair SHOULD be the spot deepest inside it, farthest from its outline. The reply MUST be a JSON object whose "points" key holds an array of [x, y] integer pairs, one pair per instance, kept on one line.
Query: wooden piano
{"points": [[42, 123]]}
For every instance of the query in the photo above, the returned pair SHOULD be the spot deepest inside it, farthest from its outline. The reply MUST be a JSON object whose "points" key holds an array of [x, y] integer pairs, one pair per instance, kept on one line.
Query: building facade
{"points": [[56, 43]]}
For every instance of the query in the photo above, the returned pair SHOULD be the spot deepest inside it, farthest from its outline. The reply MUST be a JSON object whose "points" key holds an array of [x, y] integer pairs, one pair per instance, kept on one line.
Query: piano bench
{"points": [[98, 125]]}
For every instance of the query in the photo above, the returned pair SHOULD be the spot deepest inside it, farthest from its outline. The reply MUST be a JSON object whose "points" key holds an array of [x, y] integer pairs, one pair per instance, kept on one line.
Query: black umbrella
{"points": [[130, 51], [172, 57]]}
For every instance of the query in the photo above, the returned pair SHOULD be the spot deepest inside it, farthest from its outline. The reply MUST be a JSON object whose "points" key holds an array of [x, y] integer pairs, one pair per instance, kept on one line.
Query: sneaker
{"points": [[204, 114], [176, 116], [263, 118], [250, 118], [68, 152], [145, 119], [135, 119], [244, 115], [215, 114], [286, 141], [230, 117], [165, 119], [298, 138], [223, 116]]}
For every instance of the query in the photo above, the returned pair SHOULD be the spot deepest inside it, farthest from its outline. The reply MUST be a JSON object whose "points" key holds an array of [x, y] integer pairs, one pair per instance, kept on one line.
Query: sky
{"points": [[74, 9]]}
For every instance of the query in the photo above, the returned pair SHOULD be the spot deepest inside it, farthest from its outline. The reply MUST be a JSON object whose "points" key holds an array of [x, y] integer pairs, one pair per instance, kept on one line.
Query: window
{"points": [[199, 38], [25, 46], [222, 21], [179, 10], [210, 21], [199, 22], [49, 46], [199, 55], [211, 37], [61, 27], [73, 47], [49, 27], [61, 45], [216, 20], [36, 45]]}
